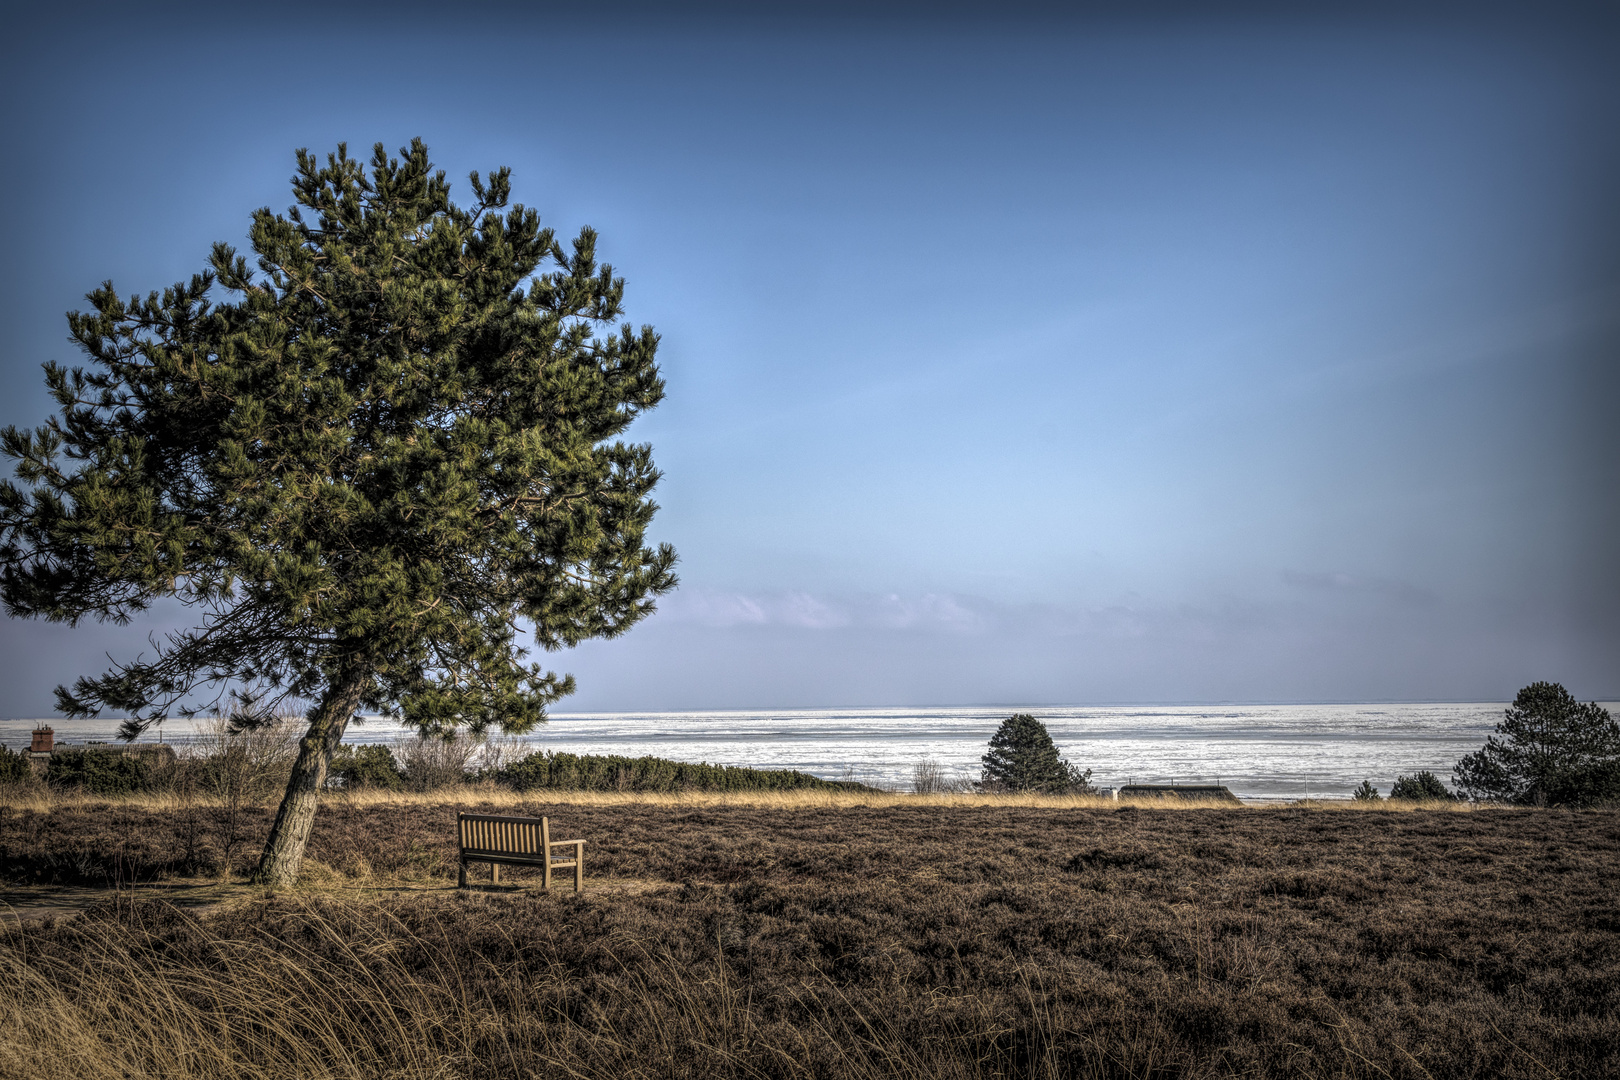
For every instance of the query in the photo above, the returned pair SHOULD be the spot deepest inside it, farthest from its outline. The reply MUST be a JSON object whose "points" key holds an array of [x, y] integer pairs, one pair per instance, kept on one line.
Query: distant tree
{"points": [[1549, 750], [1422, 787], [393, 451], [1366, 793], [1023, 757]]}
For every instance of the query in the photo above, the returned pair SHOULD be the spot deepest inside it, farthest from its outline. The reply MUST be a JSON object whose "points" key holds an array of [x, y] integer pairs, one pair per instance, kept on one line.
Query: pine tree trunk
{"points": [[284, 850]]}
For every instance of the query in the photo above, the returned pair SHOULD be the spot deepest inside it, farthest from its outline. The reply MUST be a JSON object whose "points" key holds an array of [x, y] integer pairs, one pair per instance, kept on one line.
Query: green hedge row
{"points": [[101, 772], [14, 767], [374, 766], [610, 772]]}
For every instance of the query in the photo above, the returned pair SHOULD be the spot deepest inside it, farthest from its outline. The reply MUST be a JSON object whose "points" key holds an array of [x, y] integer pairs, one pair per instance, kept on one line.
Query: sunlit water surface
{"points": [[1259, 751]]}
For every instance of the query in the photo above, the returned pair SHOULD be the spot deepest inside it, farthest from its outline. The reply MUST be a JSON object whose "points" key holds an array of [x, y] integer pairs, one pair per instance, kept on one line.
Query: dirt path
{"points": [[30, 902], [22, 903]]}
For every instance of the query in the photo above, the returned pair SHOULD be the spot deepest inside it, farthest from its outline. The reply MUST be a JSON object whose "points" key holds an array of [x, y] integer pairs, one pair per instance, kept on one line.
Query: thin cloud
{"points": [[803, 610], [1337, 581]]}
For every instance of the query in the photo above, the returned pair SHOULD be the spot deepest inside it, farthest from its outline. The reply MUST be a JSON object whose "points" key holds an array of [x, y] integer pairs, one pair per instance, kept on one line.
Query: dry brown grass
{"points": [[842, 936], [366, 991], [39, 798]]}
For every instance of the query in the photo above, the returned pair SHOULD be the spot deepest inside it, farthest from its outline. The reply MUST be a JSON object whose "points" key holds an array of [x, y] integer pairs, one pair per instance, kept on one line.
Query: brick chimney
{"points": [[44, 740]]}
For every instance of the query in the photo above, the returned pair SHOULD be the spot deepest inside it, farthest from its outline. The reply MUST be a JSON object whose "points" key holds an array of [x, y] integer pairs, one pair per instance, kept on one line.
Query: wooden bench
{"points": [[515, 841]]}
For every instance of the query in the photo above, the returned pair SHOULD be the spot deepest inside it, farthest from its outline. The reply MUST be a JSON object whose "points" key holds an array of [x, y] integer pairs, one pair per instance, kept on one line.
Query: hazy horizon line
{"points": [[1606, 700]]}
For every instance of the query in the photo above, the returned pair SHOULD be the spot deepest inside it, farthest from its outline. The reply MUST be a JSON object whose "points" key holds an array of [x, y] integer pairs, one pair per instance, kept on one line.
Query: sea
{"points": [[1261, 752]]}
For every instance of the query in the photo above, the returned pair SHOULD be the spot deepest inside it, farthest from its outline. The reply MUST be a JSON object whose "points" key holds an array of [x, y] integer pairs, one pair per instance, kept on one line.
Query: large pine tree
{"points": [[1023, 757], [1549, 750], [368, 467]]}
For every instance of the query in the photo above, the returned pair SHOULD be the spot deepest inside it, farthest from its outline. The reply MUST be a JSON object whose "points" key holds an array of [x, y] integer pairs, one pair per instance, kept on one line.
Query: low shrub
{"points": [[102, 771], [928, 777], [369, 765], [241, 765], [1366, 793], [14, 767], [428, 764]]}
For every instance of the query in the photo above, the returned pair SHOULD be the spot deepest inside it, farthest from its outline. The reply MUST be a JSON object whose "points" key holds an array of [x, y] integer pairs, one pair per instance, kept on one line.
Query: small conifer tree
{"points": [[366, 468], [1366, 793], [1023, 757], [1424, 786], [1549, 750]]}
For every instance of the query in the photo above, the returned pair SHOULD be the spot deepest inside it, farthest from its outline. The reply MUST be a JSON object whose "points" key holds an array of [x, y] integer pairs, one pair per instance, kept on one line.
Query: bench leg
{"points": [[579, 869], [461, 877], [495, 873]]}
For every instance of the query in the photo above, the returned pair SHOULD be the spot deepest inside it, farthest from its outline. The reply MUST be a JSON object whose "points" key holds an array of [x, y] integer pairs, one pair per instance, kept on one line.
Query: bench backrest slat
{"points": [[507, 835]]}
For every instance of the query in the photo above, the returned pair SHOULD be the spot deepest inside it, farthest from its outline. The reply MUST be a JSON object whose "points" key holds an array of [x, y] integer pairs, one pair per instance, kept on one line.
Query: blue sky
{"points": [[1010, 360]]}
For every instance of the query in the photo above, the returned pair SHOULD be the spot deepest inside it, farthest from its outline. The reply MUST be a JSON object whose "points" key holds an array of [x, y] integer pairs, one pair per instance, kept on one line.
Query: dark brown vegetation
{"points": [[719, 941]]}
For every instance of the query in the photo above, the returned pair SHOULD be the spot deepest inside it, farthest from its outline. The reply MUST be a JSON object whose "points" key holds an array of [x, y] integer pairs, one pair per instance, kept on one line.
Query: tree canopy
{"points": [[1023, 757], [1548, 750], [370, 468]]}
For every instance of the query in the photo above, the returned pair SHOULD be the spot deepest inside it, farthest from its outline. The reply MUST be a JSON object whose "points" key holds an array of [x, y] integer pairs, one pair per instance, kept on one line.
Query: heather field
{"points": [[821, 934]]}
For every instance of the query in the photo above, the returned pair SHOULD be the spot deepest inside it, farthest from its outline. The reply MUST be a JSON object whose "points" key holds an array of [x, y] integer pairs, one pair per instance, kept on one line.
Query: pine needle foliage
{"points": [[1366, 793], [367, 467], [1549, 750], [1023, 757]]}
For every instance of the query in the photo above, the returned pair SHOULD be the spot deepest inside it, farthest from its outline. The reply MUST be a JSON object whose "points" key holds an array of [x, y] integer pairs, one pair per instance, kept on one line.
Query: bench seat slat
{"points": [[486, 855]]}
